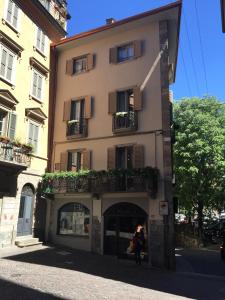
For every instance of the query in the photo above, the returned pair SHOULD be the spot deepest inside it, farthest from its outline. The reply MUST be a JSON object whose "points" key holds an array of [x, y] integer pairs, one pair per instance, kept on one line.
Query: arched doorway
{"points": [[120, 221], [24, 225]]}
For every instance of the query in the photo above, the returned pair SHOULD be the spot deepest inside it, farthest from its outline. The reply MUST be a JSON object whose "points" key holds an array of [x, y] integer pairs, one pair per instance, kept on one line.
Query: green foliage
{"points": [[199, 154]]}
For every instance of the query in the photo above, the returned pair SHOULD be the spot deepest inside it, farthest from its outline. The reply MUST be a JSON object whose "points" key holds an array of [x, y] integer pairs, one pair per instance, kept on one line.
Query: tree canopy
{"points": [[199, 155]]}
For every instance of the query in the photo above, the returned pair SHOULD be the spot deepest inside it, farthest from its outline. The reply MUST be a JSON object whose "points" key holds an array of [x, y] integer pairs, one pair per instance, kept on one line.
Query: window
{"points": [[40, 40], [33, 135], [46, 4], [80, 65], [74, 219], [7, 124], [75, 161], [124, 157], [37, 85], [76, 124], [12, 14], [125, 52], [7, 61]]}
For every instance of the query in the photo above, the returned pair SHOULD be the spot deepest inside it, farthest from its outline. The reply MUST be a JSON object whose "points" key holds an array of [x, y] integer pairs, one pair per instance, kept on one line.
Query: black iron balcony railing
{"points": [[77, 128], [14, 154], [102, 182], [125, 121]]}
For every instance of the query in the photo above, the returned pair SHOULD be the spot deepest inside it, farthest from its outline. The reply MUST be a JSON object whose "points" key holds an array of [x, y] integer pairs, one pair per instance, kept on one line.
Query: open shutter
{"points": [[111, 158], [112, 102], [69, 67], [87, 107], [138, 156], [113, 55], [90, 61], [12, 126], [63, 161], [66, 110], [86, 159], [137, 98], [137, 49]]}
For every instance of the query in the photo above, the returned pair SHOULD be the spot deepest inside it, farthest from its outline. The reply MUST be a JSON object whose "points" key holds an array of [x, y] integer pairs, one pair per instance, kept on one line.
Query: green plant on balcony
{"points": [[28, 148], [4, 139]]}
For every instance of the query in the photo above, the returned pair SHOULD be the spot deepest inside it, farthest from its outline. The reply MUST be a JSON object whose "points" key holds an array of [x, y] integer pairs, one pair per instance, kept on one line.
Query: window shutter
{"points": [[138, 156], [86, 159], [69, 67], [9, 67], [39, 88], [66, 110], [9, 11], [112, 102], [3, 62], [137, 98], [35, 138], [90, 61], [63, 161], [15, 16], [12, 126], [113, 55], [87, 107], [137, 49], [111, 158], [38, 43]]}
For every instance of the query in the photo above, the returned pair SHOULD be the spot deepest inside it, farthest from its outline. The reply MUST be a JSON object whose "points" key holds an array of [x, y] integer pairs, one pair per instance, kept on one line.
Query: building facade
{"points": [[112, 116], [26, 31]]}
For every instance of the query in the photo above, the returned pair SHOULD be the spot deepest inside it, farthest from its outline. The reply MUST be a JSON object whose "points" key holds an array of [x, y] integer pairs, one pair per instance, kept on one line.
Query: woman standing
{"points": [[139, 241]]}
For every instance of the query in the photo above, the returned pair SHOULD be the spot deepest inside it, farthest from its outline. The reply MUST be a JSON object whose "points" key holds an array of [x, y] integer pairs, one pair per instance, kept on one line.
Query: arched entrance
{"points": [[120, 221], [24, 225]]}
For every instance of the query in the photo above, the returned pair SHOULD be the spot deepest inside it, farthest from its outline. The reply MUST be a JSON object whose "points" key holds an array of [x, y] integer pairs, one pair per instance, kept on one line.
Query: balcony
{"points": [[144, 180], [77, 129], [125, 121], [12, 154]]}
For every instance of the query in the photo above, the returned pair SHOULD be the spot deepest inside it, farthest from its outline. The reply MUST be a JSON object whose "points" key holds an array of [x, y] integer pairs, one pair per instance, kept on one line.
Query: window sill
{"points": [[121, 130], [35, 99], [5, 22], [7, 82], [125, 61], [40, 52], [80, 73], [77, 136]]}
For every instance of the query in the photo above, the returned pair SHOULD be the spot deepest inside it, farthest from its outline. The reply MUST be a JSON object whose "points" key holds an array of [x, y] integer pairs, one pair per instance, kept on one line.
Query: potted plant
{"points": [[17, 142], [28, 148], [4, 139]]}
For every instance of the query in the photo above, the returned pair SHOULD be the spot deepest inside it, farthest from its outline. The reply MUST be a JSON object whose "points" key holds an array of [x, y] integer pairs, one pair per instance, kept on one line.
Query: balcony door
{"points": [[24, 226]]}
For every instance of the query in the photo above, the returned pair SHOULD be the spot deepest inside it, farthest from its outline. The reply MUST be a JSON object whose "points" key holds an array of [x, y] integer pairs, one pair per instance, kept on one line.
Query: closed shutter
{"points": [[3, 62], [15, 16], [12, 126], [138, 151], [66, 110], [39, 87], [43, 43], [90, 61], [35, 83], [137, 49], [87, 107], [38, 43], [9, 11], [9, 67], [63, 161], [137, 98], [112, 102], [111, 159], [113, 55], [86, 159], [69, 67], [35, 138]]}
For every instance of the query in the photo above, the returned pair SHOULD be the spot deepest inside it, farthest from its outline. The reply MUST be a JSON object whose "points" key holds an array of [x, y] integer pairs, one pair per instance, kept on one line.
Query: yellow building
{"points": [[26, 30], [111, 114]]}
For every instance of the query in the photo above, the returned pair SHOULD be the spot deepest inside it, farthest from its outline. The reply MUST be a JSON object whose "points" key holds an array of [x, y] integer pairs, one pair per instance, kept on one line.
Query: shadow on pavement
{"points": [[11, 291], [123, 271]]}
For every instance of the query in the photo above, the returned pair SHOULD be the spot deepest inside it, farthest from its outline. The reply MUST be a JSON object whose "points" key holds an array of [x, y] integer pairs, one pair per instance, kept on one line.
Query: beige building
{"points": [[26, 30], [111, 111]]}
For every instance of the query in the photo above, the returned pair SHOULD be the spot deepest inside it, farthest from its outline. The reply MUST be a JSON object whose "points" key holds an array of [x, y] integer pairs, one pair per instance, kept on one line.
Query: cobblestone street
{"points": [[53, 273]]}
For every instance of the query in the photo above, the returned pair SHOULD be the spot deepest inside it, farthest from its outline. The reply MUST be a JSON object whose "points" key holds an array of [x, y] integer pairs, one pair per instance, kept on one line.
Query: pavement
{"points": [[44, 272]]}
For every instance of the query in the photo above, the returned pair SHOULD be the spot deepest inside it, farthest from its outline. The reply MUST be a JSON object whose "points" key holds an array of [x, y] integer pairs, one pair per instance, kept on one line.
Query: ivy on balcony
{"points": [[118, 180]]}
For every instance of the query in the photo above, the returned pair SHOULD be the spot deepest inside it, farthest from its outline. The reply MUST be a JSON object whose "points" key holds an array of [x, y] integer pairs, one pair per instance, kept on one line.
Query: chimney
{"points": [[110, 21]]}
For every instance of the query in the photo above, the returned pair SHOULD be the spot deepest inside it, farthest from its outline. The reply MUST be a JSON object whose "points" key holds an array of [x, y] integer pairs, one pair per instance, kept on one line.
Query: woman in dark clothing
{"points": [[139, 241]]}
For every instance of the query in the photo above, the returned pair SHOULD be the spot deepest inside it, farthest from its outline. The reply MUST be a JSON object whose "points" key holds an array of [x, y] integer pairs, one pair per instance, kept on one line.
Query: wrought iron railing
{"points": [[125, 121], [77, 128], [14, 154], [101, 184]]}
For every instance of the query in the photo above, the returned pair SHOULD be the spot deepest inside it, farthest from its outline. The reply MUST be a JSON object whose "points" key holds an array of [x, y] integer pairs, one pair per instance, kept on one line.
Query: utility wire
{"points": [[185, 72], [201, 48], [191, 54]]}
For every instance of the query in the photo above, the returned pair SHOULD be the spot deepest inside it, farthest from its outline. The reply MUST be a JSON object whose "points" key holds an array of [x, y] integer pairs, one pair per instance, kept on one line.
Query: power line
{"points": [[201, 47], [185, 71], [191, 54]]}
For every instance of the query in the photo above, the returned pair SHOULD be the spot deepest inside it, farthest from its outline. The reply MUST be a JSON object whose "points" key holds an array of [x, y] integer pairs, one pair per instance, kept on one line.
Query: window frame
{"points": [[34, 70], [126, 149], [11, 81], [70, 160], [10, 22], [42, 36], [83, 70], [88, 216], [30, 121], [81, 120], [7, 122], [127, 58]]}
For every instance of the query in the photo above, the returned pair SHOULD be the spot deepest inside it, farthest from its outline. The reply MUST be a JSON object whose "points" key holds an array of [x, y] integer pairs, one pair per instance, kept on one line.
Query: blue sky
{"points": [[193, 79]]}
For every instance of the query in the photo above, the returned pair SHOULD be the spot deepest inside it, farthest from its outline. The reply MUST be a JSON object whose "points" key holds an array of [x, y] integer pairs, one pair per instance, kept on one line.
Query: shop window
{"points": [[74, 219]]}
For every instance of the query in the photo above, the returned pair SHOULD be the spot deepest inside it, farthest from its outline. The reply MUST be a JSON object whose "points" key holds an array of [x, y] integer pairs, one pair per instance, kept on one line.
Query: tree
{"points": [[199, 155]]}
